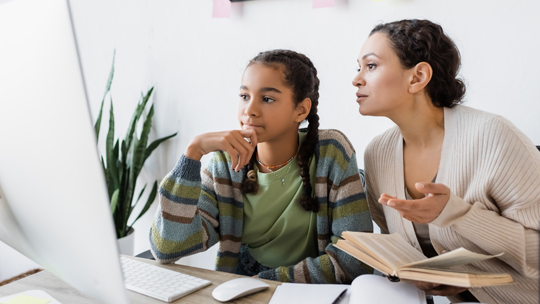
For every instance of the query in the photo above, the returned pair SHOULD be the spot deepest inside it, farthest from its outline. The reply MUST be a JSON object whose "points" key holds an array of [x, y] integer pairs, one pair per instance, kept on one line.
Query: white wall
{"points": [[196, 62]]}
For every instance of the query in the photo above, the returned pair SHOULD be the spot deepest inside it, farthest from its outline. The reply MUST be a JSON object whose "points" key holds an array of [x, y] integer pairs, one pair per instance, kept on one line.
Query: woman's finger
{"points": [[432, 188], [445, 290]]}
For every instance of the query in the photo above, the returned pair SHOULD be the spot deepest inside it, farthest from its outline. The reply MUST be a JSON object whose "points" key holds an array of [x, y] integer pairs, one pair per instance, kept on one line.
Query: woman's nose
{"points": [[358, 80]]}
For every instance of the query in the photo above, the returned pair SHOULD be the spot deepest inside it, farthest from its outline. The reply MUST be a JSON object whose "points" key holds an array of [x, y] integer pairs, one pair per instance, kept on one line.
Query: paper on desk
{"points": [[293, 293], [38, 294], [24, 299]]}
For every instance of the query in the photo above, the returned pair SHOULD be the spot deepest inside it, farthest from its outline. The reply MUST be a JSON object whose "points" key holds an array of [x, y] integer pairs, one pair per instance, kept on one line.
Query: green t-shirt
{"points": [[277, 230]]}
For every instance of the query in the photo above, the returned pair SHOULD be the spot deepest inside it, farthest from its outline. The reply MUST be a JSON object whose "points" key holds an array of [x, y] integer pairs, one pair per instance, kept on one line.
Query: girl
{"points": [[277, 202], [447, 176]]}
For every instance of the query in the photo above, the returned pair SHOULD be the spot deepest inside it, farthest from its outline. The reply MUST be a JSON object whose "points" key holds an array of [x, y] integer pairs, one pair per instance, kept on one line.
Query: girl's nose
{"points": [[252, 109]]}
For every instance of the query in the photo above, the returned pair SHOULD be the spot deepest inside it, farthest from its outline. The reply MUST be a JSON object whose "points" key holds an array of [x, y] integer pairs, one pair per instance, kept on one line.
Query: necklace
{"points": [[272, 167], [284, 176]]}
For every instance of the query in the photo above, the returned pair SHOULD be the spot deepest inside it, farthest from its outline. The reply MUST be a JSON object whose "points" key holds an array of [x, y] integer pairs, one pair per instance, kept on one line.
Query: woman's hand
{"points": [[233, 142], [437, 289], [424, 210]]}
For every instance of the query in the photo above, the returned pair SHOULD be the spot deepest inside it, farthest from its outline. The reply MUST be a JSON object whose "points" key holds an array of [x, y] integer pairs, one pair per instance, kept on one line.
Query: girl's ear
{"points": [[421, 75], [302, 110]]}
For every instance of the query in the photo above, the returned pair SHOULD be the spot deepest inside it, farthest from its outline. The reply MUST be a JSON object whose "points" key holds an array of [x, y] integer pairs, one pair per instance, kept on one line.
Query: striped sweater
{"points": [[493, 172], [199, 209]]}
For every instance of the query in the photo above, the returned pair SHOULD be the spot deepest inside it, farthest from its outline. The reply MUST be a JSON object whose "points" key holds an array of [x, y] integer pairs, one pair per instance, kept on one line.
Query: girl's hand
{"points": [[233, 142], [421, 211], [437, 289]]}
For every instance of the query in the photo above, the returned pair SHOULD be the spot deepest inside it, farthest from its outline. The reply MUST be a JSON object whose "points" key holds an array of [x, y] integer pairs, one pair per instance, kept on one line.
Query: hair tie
{"points": [[252, 176]]}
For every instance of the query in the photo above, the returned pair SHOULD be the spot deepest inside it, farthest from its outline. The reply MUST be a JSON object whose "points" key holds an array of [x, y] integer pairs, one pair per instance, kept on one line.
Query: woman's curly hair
{"points": [[416, 41]]}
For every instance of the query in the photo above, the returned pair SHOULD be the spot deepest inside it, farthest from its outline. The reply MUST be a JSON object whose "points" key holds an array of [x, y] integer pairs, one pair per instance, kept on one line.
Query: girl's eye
{"points": [[358, 70], [371, 66], [268, 99], [243, 96]]}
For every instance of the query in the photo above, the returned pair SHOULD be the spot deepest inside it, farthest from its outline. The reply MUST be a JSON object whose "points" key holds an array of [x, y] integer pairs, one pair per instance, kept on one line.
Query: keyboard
{"points": [[160, 283]]}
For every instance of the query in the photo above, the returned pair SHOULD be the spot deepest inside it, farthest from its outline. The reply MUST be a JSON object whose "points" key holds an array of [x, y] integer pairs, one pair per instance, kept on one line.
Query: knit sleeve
{"points": [[349, 212], [372, 194], [186, 220], [511, 175]]}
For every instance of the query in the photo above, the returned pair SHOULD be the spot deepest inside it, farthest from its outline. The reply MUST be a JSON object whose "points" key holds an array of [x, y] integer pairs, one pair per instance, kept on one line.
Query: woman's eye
{"points": [[358, 70], [268, 99], [371, 66]]}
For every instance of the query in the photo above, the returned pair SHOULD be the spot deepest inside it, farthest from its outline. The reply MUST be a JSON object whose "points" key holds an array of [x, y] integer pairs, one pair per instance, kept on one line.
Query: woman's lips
{"points": [[360, 97]]}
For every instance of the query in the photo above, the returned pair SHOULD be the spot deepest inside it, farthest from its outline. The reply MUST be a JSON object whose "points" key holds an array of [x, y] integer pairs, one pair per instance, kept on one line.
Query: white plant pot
{"points": [[126, 245]]}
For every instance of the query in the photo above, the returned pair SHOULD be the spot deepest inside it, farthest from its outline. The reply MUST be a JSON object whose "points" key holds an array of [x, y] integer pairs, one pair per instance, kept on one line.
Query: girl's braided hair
{"points": [[301, 77]]}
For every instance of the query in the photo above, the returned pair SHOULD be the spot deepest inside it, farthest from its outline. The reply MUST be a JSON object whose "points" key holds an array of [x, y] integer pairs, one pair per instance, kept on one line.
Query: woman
{"points": [[447, 176], [277, 203]]}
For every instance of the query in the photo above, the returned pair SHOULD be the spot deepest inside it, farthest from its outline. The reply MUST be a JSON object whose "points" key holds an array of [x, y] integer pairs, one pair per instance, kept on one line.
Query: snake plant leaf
{"points": [[140, 152], [97, 126], [132, 180], [115, 152], [155, 144], [135, 118], [140, 194], [114, 200], [107, 178], [149, 202], [109, 151], [138, 198]]}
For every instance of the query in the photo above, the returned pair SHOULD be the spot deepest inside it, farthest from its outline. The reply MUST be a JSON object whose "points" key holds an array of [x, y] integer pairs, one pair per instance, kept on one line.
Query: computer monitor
{"points": [[54, 206]]}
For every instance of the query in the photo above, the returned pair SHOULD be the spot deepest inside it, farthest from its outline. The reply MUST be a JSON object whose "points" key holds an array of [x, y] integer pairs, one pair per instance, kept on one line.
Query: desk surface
{"points": [[66, 294]]}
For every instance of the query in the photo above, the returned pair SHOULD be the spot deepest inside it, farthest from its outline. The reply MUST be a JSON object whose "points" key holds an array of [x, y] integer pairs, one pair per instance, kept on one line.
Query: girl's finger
{"points": [[233, 154], [248, 148], [252, 135], [242, 153]]}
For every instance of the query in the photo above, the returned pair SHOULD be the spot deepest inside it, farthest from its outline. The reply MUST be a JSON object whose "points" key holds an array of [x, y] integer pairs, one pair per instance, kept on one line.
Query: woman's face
{"points": [[266, 103], [381, 81]]}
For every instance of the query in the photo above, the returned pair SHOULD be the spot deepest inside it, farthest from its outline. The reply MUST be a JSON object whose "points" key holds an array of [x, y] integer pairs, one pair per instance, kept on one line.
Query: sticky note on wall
{"points": [[323, 3], [221, 9]]}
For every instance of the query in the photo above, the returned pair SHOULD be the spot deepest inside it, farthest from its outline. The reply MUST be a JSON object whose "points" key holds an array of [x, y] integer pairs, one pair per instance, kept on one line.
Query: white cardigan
{"points": [[493, 172]]}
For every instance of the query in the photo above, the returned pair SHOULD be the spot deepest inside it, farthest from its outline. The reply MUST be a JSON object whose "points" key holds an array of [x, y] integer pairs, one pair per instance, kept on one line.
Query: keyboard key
{"points": [[157, 282]]}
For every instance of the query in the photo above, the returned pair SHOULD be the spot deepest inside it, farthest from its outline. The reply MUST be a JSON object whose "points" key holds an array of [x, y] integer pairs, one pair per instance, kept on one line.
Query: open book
{"points": [[393, 256]]}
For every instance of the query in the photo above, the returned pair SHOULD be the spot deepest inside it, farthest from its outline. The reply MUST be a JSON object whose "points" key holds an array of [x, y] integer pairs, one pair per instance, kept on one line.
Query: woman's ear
{"points": [[302, 110], [421, 75]]}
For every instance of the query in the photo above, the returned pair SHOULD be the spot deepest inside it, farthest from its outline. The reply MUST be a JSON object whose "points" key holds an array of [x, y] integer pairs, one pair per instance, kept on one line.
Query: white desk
{"points": [[67, 295]]}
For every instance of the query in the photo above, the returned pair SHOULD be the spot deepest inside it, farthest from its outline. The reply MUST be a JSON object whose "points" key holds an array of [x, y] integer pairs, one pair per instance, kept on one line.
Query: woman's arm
{"points": [[349, 212], [186, 220], [510, 177]]}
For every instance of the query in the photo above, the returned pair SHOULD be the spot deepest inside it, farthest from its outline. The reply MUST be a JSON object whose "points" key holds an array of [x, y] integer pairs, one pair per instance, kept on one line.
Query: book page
{"points": [[365, 256], [391, 248], [455, 257]]}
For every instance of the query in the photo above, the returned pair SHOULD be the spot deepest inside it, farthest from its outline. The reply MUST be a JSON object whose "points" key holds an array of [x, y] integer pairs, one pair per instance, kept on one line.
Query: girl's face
{"points": [[381, 81], [266, 104]]}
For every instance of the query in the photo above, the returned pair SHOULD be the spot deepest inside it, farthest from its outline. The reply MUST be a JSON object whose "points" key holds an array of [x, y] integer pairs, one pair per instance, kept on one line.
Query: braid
{"points": [[301, 77], [308, 148], [249, 182]]}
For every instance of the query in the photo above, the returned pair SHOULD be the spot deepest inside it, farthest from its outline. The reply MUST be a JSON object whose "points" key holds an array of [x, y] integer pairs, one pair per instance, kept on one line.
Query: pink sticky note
{"points": [[323, 3], [222, 9]]}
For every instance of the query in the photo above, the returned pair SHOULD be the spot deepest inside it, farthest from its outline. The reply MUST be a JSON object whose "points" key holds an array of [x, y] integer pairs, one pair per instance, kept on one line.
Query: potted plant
{"points": [[122, 164]]}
